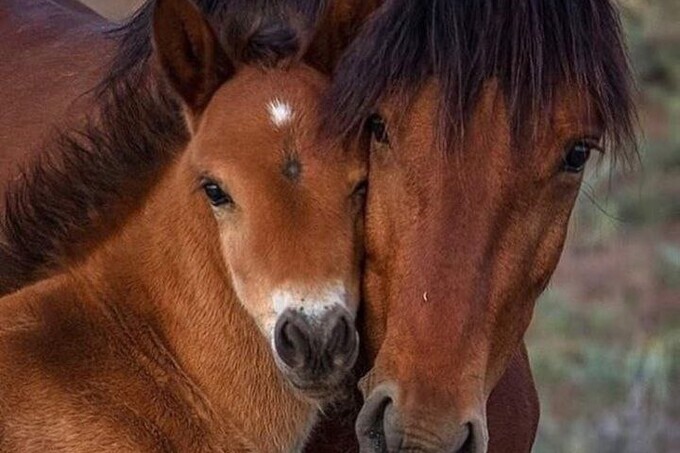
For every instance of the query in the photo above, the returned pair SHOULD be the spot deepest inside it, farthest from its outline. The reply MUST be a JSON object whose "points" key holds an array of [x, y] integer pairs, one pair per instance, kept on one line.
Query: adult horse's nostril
{"points": [[474, 437], [464, 441], [382, 427], [376, 427], [291, 340], [470, 438]]}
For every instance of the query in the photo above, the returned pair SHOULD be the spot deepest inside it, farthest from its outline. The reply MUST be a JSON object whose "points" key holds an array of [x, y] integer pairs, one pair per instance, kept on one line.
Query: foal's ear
{"points": [[189, 52]]}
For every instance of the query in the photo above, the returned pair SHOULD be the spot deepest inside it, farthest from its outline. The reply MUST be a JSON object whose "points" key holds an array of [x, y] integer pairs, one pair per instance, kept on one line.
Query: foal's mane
{"points": [[81, 180], [531, 47]]}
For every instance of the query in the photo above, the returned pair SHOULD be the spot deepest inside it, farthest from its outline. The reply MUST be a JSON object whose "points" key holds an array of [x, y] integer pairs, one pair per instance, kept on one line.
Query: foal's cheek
{"points": [[257, 301], [248, 286]]}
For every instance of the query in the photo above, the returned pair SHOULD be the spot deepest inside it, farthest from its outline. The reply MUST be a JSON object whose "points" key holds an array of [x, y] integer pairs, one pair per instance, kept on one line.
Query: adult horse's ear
{"points": [[190, 53], [336, 24]]}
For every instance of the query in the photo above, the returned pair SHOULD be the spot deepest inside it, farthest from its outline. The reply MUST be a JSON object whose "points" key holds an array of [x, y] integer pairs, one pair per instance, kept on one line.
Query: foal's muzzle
{"points": [[316, 352]]}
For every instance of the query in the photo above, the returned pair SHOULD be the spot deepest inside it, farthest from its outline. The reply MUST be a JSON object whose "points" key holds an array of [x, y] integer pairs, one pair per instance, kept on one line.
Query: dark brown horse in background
{"points": [[512, 406], [50, 56], [481, 116]]}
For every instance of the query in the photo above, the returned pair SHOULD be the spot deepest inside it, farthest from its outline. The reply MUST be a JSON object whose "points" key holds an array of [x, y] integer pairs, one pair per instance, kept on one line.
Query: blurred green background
{"points": [[605, 339]]}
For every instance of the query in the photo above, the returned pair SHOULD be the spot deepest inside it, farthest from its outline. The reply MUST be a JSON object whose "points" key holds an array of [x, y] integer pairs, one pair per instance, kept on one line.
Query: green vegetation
{"points": [[605, 340], [604, 385]]}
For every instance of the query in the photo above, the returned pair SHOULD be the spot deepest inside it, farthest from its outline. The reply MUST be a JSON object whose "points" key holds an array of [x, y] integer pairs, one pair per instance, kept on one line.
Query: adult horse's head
{"points": [[286, 203], [481, 118]]}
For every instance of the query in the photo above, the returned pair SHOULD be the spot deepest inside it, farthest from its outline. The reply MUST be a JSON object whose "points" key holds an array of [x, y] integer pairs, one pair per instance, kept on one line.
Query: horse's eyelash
{"points": [[203, 180]]}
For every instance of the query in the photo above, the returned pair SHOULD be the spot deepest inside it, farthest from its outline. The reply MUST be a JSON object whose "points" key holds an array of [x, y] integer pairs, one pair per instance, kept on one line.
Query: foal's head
{"points": [[286, 204], [484, 115]]}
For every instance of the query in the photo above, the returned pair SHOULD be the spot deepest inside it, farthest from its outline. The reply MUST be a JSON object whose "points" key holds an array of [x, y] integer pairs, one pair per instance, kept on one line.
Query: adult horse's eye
{"points": [[376, 125], [216, 195], [577, 156]]}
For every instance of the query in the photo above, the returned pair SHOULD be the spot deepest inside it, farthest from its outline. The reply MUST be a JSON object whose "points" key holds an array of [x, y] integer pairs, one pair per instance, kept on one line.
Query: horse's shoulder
{"points": [[43, 332], [63, 376]]}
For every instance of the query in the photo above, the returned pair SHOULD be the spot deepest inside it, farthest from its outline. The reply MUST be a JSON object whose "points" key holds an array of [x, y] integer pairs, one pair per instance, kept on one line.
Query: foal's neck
{"points": [[169, 255]]}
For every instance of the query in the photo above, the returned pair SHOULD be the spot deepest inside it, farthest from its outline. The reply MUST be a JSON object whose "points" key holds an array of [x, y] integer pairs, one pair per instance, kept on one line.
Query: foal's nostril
{"points": [[315, 348], [342, 340], [291, 341]]}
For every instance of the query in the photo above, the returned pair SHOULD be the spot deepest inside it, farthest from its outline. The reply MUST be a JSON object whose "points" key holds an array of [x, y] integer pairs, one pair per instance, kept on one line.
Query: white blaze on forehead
{"points": [[280, 112]]}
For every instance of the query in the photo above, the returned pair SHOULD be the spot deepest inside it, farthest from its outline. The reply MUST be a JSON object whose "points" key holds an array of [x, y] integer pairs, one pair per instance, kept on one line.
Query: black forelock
{"points": [[531, 47]]}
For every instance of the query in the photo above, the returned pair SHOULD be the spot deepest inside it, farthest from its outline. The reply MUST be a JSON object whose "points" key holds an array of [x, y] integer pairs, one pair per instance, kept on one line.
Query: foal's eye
{"points": [[216, 195], [577, 156], [376, 125]]}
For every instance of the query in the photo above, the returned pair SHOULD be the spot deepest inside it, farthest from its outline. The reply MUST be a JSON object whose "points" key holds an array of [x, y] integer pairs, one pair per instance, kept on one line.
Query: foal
{"points": [[236, 254]]}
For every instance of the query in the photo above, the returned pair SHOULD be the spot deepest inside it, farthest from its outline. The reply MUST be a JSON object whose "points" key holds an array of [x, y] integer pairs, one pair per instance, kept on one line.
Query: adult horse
{"points": [[222, 243], [480, 116]]}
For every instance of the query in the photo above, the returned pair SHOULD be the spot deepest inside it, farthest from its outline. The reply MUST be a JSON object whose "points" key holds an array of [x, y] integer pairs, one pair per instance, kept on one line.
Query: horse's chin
{"points": [[330, 389], [322, 394]]}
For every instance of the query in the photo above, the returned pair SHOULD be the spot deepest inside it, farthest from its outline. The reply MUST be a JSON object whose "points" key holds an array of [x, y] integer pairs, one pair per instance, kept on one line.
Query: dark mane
{"points": [[73, 190], [83, 174], [261, 31], [532, 47]]}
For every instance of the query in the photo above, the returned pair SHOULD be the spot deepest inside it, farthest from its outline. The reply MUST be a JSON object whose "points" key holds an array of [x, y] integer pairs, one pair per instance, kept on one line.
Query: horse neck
{"points": [[169, 254]]}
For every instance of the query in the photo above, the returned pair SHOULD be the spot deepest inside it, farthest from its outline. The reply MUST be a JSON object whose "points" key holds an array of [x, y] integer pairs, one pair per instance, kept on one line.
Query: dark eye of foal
{"points": [[376, 125], [216, 195], [577, 156]]}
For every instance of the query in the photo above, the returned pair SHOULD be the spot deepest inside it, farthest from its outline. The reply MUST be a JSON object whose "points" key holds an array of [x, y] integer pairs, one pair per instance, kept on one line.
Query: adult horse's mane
{"points": [[74, 188], [532, 48]]}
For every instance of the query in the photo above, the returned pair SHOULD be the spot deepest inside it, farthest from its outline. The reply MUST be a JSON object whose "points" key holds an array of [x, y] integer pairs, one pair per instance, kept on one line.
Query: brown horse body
{"points": [[50, 57]]}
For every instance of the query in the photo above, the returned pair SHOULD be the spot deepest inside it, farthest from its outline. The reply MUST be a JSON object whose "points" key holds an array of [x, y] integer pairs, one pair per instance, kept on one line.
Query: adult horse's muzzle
{"points": [[316, 351], [382, 428]]}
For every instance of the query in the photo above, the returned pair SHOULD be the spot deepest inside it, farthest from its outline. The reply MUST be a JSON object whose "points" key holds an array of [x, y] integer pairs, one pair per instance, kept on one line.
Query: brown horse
{"points": [[205, 264], [50, 57], [481, 117], [512, 408]]}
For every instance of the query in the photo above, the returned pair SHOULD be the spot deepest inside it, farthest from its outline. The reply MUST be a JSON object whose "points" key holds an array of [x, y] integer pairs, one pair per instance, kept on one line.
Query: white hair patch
{"points": [[312, 302], [280, 112]]}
